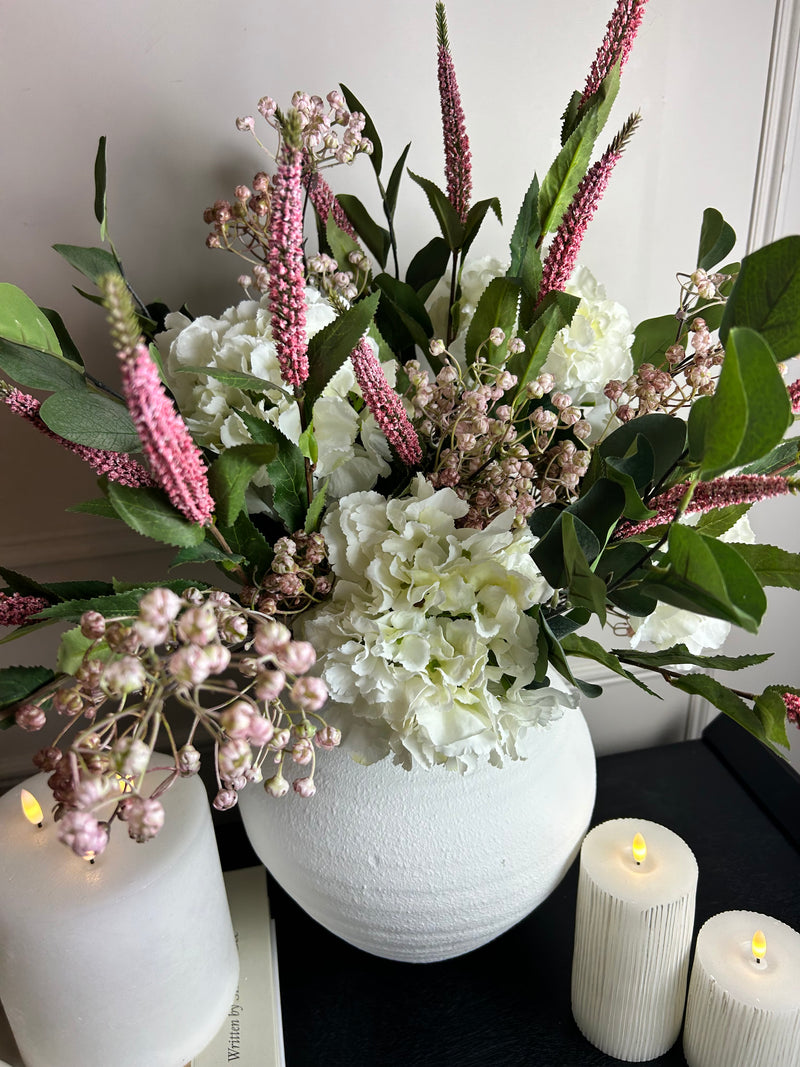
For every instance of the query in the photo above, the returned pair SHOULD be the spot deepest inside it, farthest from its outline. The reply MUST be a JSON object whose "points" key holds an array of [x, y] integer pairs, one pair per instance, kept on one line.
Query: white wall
{"points": [[165, 81]]}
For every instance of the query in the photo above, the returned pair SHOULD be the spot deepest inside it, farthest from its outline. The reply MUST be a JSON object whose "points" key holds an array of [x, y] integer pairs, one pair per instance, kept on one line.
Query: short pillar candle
{"points": [[633, 933], [129, 961], [744, 994]]}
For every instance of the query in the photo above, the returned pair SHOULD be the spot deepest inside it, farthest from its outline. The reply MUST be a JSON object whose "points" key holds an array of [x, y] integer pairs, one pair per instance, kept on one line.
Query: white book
{"points": [[252, 1034]]}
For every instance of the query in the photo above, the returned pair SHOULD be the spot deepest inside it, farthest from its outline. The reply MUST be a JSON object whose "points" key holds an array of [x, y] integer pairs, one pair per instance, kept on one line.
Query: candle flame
{"points": [[759, 945], [639, 848], [31, 808]]}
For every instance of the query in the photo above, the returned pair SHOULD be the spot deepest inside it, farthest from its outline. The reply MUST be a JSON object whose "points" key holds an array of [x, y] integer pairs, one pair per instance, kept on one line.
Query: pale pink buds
{"points": [[144, 816], [309, 693], [235, 719], [225, 799], [123, 676], [198, 625], [218, 657], [277, 786], [190, 665], [188, 761], [93, 625], [159, 607], [260, 730], [269, 685], [30, 717], [271, 638], [328, 737], [235, 757], [82, 833], [131, 756], [304, 787], [302, 751], [297, 657]]}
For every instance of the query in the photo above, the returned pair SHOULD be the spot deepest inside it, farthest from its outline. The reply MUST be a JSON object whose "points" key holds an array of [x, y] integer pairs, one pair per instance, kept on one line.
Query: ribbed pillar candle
{"points": [[633, 934], [743, 1012]]}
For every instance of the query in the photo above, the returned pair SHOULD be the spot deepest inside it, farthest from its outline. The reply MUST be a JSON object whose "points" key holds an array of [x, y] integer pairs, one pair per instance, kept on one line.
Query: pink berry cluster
{"points": [[239, 672], [325, 144], [683, 376], [299, 576], [498, 447], [241, 225]]}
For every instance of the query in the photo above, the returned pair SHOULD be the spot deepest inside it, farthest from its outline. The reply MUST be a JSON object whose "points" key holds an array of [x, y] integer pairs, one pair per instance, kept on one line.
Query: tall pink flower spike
{"points": [[115, 465], [457, 155], [616, 45], [385, 404], [285, 258], [175, 461], [321, 196], [720, 493]]}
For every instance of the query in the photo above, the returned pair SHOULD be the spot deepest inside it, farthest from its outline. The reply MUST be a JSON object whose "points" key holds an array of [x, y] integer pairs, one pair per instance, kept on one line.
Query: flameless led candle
{"points": [[744, 994], [633, 930], [127, 961]]}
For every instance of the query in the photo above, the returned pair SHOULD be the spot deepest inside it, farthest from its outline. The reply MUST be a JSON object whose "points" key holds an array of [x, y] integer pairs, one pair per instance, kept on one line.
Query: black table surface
{"points": [[508, 1003]]}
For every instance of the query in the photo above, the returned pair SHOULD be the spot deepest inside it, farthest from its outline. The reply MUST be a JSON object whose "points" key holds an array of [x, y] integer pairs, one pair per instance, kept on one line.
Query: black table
{"points": [[508, 1003]]}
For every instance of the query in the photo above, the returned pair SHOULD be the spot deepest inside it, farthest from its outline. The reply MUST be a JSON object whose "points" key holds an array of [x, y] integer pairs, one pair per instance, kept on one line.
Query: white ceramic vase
{"points": [[424, 865]]}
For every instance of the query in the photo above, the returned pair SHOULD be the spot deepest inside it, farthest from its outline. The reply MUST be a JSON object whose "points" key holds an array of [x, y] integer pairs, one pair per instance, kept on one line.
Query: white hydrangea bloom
{"points": [[425, 640], [475, 277], [668, 626], [353, 453], [595, 347]]}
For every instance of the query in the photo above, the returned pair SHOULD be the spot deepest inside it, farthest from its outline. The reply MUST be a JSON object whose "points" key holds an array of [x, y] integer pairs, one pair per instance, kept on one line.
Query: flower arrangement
{"points": [[418, 489]]}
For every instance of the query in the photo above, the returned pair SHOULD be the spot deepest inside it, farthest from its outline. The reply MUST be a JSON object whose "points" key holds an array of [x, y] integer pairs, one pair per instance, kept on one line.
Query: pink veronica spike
{"points": [[175, 460], [385, 404], [285, 259], [117, 466], [321, 196], [457, 155], [616, 45]]}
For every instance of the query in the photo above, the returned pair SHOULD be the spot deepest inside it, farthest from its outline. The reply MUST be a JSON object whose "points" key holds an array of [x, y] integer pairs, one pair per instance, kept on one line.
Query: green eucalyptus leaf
{"points": [[69, 349], [717, 238], [634, 472], [666, 436], [453, 230], [149, 512], [586, 590], [330, 347], [354, 104], [497, 307], [19, 683], [374, 236], [23, 323], [231, 473], [91, 419], [652, 338], [766, 297], [38, 370], [93, 263], [100, 204], [557, 657]]}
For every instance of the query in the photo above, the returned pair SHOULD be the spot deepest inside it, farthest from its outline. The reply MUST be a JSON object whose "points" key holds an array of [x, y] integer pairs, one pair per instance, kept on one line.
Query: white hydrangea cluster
{"points": [[426, 641], [595, 347], [475, 277], [353, 452], [668, 626]]}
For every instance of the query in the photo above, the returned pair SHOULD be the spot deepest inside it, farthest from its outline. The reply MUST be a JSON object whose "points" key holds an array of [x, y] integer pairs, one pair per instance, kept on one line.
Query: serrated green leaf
{"points": [[526, 233], [122, 604], [497, 307], [90, 419], [354, 104], [177, 585], [784, 458], [231, 473], [246, 540], [717, 238], [206, 552], [718, 521], [101, 507], [724, 699], [766, 297], [680, 654], [341, 244], [73, 647], [100, 206], [78, 589], [773, 566], [539, 338], [770, 708], [565, 173], [330, 347], [393, 185], [586, 648], [21, 583], [475, 216], [586, 590], [149, 512], [429, 264], [453, 230], [18, 683], [374, 236], [93, 263]]}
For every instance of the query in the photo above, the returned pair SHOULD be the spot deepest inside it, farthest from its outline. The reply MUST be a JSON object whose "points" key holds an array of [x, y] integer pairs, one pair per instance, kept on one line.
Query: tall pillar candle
{"points": [[633, 934], [744, 998], [127, 961]]}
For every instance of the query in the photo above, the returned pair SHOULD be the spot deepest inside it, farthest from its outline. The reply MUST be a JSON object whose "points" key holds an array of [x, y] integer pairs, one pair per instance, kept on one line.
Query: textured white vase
{"points": [[423, 865]]}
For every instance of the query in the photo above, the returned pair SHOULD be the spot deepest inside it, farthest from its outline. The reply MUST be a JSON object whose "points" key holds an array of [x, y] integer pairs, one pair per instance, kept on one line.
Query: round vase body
{"points": [[427, 864]]}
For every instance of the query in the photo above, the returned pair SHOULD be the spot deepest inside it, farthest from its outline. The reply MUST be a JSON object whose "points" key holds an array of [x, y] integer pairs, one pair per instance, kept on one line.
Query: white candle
{"points": [[744, 1013], [129, 961], [633, 932]]}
